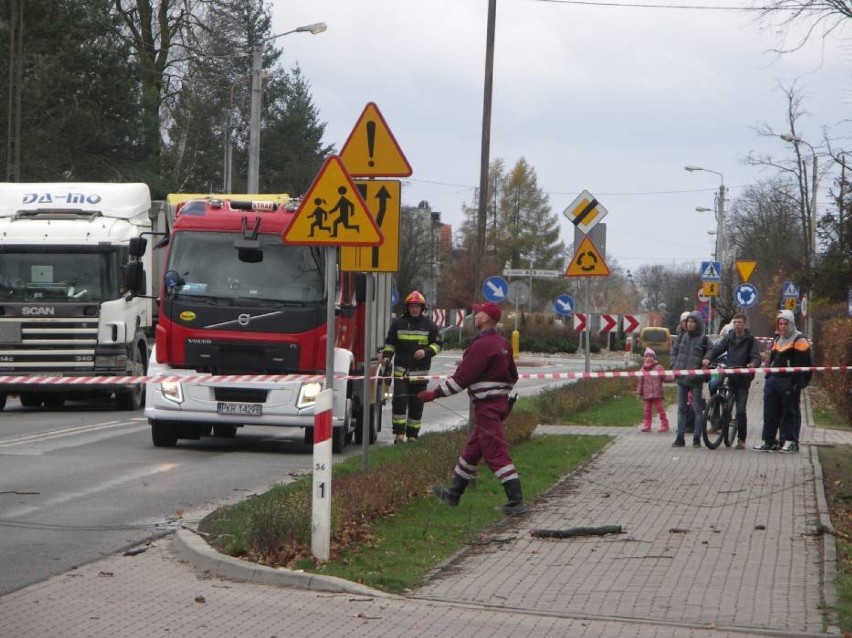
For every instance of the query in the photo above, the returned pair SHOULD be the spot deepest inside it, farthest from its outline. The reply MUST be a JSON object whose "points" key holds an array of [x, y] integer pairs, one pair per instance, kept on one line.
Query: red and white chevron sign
{"points": [[631, 323], [439, 317], [579, 321], [459, 318], [608, 322]]}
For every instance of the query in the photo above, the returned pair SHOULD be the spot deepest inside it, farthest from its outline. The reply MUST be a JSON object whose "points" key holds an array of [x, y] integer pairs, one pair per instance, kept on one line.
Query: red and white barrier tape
{"points": [[282, 378]]}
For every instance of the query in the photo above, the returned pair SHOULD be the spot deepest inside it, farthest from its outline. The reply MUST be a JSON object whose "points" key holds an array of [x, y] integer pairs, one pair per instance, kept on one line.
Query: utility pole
{"points": [[16, 63], [486, 150], [254, 120]]}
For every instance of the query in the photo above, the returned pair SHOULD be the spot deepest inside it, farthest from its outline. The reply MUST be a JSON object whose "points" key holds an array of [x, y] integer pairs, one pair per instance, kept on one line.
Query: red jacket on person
{"points": [[487, 369]]}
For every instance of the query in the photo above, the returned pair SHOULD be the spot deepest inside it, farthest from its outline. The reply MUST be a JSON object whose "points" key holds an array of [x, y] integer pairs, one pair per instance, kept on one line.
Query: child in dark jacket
{"points": [[650, 389]]}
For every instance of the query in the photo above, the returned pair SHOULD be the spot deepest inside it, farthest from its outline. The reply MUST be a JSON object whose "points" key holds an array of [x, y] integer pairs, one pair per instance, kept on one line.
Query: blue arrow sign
{"points": [[564, 305], [745, 295], [394, 296], [495, 289]]}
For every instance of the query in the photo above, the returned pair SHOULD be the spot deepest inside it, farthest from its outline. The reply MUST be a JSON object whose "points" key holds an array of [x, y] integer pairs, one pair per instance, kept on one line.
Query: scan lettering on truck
{"points": [[38, 310], [68, 198]]}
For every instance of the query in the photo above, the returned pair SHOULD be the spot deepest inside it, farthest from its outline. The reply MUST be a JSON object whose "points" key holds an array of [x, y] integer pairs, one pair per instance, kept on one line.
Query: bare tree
{"points": [[817, 18]]}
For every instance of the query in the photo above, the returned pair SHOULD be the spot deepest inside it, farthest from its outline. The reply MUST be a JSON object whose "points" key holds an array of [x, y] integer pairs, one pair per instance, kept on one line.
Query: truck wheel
{"points": [[372, 435], [338, 439], [30, 400], [54, 401], [163, 434], [134, 398], [225, 431], [2, 401]]}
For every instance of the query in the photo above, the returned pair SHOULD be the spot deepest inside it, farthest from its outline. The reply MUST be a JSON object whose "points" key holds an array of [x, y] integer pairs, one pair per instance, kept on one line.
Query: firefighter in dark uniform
{"points": [[488, 371], [412, 340]]}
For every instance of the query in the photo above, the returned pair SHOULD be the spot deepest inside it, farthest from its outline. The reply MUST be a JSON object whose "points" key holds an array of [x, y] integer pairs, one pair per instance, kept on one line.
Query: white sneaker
{"points": [[790, 447]]}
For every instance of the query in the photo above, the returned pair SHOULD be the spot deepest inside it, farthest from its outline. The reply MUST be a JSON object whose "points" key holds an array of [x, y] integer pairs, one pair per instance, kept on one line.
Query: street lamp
{"points": [[721, 243], [811, 218], [257, 93]]}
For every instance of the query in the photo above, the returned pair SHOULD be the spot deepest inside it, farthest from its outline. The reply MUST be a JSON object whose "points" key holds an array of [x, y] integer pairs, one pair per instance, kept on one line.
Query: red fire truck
{"points": [[235, 300]]}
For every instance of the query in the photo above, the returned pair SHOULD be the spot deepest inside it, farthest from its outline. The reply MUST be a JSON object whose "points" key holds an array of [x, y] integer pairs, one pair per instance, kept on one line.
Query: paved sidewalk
{"points": [[717, 543]]}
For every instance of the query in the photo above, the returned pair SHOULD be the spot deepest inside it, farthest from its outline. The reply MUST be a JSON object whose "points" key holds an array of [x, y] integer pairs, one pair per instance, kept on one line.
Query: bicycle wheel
{"points": [[713, 431], [730, 425]]}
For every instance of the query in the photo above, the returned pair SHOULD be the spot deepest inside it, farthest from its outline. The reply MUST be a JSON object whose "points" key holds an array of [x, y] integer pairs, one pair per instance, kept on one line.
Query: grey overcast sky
{"points": [[615, 100]]}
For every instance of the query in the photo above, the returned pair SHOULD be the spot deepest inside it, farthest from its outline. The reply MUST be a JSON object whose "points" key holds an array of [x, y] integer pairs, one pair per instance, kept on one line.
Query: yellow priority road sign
{"points": [[383, 197], [585, 212], [587, 261], [333, 213], [371, 149]]}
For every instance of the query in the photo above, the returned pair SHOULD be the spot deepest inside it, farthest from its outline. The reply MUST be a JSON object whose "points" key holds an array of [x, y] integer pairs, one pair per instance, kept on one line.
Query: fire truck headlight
{"points": [[308, 394], [172, 391]]}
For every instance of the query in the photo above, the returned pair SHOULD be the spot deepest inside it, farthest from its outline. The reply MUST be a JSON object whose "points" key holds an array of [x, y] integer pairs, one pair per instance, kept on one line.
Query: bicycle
{"points": [[718, 425]]}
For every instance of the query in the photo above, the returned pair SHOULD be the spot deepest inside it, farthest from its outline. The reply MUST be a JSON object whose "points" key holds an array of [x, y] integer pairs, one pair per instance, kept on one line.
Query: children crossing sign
{"points": [[333, 213], [711, 271]]}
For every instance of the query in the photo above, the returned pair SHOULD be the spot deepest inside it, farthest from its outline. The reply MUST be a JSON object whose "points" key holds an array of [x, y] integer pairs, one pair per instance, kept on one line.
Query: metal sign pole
{"points": [[588, 324], [366, 421]]}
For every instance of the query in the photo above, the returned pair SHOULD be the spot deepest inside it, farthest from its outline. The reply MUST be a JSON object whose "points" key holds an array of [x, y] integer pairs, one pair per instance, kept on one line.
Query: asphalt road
{"points": [[84, 482]]}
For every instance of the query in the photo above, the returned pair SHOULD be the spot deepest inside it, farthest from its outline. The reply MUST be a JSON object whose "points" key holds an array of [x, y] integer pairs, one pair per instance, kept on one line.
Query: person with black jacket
{"points": [[412, 340], [687, 353], [782, 391], [742, 351]]}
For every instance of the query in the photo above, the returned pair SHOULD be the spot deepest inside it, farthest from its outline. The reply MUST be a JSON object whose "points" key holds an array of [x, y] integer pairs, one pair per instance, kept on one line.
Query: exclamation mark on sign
{"points": [[371, 140]]}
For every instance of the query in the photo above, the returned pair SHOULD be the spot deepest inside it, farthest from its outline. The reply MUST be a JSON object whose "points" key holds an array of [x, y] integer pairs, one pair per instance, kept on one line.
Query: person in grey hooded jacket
{"points": [[688, 353]]}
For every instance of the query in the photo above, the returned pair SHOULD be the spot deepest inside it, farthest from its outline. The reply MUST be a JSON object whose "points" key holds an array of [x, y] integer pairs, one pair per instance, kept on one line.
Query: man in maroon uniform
{"points": [[488, 371]]}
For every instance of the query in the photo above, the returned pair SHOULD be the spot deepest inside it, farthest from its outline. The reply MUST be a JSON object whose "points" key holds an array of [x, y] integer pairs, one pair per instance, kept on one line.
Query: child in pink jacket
{"points": [[650, 389]]}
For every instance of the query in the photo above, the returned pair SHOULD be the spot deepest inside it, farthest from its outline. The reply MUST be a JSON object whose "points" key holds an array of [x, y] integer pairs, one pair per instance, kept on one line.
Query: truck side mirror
{"points": [[137, 246], [134, 278]]}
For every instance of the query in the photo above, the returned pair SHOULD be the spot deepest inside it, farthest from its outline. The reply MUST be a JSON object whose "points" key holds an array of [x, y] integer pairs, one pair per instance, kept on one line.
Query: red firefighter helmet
{"points": [[415, 297]]}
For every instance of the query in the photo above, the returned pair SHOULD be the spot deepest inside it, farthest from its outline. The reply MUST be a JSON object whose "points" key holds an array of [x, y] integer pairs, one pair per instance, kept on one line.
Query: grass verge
{"points": [[837, 480], [406, 546]]}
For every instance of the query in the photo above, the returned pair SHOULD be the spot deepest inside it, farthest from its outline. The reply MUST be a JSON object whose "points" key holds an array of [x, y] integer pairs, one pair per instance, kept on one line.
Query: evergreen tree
{"points": [[80, 108], [292, 151]]}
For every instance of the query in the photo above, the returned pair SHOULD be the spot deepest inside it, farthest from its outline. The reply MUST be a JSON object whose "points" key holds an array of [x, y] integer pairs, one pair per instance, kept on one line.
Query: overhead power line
{"points": [[695, 7]]}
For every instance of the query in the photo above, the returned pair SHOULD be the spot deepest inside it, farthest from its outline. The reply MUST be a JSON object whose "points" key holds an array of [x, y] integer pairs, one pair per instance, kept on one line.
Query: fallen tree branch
{"points": [[577, 531]]}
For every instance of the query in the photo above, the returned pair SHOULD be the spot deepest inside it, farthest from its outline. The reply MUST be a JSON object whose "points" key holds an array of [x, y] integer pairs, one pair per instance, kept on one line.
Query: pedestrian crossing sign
{"points": [[333, 213], [711, 271], [790, 290]]}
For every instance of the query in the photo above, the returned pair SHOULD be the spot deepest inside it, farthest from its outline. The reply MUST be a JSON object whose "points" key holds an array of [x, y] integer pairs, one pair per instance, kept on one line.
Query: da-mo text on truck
{"points": [[236, 300], [64, 307]]}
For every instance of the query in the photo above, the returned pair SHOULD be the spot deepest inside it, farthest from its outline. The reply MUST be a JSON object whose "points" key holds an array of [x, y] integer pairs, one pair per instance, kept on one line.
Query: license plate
{"points": [[239, 409]]}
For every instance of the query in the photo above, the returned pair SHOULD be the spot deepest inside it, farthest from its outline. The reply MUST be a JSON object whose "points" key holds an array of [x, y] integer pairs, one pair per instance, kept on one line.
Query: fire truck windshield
{"points": [[208, 264], [57, 274]]}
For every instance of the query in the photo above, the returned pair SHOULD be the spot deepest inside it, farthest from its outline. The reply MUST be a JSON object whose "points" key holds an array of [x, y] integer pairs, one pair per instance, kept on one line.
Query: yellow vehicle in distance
{"points": [[659, 339]]}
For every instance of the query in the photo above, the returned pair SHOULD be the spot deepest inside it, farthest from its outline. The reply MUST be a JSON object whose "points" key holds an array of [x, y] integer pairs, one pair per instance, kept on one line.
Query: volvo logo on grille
{"points": [[38, 310], [244, 319]]}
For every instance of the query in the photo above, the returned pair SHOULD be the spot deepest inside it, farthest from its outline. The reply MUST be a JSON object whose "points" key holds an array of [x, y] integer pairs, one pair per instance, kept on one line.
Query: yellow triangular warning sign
{"points": [[371, 149], [587, 261], [333, 212], [745, 269]]}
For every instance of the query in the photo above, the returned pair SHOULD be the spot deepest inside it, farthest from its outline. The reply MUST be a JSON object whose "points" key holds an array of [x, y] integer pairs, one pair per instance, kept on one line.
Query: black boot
{"points": [[451, 495], [515, 506]]}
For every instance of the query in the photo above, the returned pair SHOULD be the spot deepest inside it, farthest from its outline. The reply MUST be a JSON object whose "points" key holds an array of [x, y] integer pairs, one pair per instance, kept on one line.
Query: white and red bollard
{"points": [[321, 501]]}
